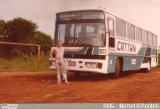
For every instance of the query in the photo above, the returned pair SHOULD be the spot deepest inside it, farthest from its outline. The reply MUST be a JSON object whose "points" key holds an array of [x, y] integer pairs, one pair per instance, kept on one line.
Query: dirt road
{"points": [[41, 87]]}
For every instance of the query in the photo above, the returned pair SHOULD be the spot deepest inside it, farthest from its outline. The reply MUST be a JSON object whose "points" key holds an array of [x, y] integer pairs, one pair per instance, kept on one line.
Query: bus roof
{"points": [[101, 10], [81, 10]]}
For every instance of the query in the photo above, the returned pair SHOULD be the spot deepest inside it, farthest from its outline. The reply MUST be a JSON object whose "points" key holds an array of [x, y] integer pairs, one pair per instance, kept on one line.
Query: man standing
{"points": [[60, 65]]}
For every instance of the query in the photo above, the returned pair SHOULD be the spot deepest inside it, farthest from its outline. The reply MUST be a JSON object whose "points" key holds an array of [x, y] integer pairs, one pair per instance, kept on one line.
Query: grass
{"points": [[24, 64], [27, 64]]}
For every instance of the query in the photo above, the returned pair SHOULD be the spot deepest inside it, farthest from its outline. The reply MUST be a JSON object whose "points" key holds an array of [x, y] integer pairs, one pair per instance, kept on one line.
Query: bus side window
{"points": [[111, 33]]}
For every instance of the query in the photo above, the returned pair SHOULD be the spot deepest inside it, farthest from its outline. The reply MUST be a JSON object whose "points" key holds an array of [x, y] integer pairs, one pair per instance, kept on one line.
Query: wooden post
{"points": [[39, 54]]}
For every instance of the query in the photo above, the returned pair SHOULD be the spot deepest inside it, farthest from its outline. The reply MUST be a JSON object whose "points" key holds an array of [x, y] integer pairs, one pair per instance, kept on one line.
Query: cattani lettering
{"points": [[126, 47]]}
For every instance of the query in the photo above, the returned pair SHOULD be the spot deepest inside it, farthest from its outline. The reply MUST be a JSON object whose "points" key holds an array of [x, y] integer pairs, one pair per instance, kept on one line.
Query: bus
{"points": [[97, 41]]}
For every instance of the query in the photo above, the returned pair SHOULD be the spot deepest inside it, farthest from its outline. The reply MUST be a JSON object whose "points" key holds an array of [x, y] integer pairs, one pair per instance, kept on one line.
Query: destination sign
{"points": [[67, 16], [78, 15]]}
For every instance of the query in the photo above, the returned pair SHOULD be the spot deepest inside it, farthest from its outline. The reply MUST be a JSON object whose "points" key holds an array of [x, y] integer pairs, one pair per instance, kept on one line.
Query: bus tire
{"points": [[147, 70], [117, 69]]}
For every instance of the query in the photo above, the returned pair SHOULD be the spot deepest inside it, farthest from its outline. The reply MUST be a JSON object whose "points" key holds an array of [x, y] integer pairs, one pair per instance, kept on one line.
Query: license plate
{"points": [[71, 63]]}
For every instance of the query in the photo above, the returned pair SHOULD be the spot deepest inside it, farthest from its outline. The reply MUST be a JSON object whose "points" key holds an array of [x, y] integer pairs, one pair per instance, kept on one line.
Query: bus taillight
{"points": [[99, 66]]}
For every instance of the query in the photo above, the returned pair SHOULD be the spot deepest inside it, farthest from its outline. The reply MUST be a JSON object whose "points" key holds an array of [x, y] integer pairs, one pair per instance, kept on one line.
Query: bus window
{"points": [[66, 33], [154, 40], [150, 38], [138, 34], [120, 28], [111, 27], [144, 37], [90, 34], [111, 33], [130, 31]]}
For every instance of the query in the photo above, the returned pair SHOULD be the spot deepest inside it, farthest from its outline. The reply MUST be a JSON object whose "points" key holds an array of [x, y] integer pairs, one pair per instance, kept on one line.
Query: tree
{"points": [[2, 31], [24, 31], [44, 40], [20, 30], [2, 27]]}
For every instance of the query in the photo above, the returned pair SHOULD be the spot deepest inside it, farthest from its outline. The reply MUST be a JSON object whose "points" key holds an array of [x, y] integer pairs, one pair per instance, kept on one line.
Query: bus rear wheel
{"points": [[117, 69], [147, 70]]}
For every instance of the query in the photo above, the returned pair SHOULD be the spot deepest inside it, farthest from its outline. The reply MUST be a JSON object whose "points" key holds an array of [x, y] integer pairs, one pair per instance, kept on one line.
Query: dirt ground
{"points": [[41, 87]]}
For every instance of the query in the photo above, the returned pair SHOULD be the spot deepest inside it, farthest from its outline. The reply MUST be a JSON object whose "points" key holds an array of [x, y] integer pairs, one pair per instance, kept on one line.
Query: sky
{"points": [[143, 13]]}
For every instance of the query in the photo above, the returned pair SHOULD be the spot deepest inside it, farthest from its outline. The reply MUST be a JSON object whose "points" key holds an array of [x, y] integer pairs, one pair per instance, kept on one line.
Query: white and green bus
{"points": [[97, 41]]}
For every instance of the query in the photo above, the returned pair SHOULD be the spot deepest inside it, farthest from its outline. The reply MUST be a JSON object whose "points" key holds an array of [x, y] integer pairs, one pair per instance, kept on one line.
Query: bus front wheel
{"points": [[117, 69]]}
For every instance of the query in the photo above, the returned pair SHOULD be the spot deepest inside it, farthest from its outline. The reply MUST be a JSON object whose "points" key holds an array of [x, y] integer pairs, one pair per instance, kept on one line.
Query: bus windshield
{"points": [[82, 34]]}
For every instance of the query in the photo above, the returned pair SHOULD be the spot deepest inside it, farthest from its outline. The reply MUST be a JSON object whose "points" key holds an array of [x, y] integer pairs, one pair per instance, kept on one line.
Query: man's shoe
{"points": [[66, 82], [58, 82]]}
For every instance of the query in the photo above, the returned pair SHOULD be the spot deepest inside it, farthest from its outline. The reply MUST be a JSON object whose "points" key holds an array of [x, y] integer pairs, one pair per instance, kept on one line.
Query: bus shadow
{"points": [[99, 77], [129, 73], [52, 78], [87, 76]]}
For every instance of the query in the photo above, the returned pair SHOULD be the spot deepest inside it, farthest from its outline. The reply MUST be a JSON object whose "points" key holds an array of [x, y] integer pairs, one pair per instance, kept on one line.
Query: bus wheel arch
{"points": [[149, 65], [148, 68]]}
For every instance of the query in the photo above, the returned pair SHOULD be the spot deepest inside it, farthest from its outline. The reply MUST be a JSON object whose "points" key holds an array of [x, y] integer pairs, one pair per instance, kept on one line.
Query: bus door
{"points": [[111, 33]]}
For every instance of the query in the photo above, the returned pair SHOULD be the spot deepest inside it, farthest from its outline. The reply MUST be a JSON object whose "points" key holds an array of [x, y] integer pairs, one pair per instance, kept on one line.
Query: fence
{"points": [[24, 44]]}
